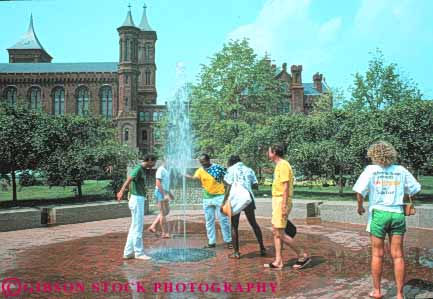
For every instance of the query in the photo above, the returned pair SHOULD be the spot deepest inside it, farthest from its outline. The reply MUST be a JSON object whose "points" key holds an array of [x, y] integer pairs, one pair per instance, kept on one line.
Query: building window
{"points": [[284, 87], [11, 96], [144, 136], [284, 107], [82, 101], [155, 116], [126, 135], [126, 49], [126, 104], [141, 116], [106, 102], [35, 98], [147, 78], [59, 101], [147, 52], [147, 116]]}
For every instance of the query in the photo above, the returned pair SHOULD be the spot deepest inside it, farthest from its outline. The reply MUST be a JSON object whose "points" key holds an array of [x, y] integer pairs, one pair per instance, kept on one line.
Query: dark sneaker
{"points": [[229, 245], [209, 246], [263, 252], [302, 263]]}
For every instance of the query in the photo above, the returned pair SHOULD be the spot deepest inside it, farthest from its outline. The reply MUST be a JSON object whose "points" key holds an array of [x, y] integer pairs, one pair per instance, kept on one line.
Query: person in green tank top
{"points": [[137, 190]]}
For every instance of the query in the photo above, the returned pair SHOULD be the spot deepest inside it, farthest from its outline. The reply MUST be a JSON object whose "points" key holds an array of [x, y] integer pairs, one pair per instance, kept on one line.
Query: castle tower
{"points": [[297, 89], [317, 79], [28, 49], [128, 81], [146, 61]]}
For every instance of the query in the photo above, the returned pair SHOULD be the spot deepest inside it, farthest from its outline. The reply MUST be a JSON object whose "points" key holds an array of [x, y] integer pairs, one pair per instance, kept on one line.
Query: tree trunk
{"points": [[341, 183], [14, 187], [80, 191]]}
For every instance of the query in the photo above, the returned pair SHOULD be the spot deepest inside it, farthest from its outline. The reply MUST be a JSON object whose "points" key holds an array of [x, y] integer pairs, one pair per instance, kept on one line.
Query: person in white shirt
{"points": [[162, 196], [238, 172], [386, 185]]}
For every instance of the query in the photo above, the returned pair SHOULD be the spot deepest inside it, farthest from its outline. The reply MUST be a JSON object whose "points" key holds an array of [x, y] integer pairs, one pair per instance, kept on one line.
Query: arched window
{"points": [[11, 96], [126, 104], [147, 52], [82, 101], [147, 80], [35, 98], [126, 49], [59, 101], [106, 102], [126, 135]]}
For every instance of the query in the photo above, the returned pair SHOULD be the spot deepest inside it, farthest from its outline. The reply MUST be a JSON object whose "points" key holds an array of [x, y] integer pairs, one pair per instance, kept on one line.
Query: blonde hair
{"points": [[382, 153]]}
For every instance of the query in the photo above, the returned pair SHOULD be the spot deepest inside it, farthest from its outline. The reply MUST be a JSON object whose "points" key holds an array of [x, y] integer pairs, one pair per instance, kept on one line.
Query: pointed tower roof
{"points": [[29, 39], [144, 23], [129, 22]]}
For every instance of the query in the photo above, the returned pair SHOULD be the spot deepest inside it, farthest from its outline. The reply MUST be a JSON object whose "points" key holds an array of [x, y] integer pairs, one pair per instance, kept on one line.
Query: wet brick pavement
{"points": [[86, 260]]}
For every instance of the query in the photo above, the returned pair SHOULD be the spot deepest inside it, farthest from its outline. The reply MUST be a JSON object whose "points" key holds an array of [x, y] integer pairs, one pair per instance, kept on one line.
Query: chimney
{"points": [[317, 79], [296, 74]]}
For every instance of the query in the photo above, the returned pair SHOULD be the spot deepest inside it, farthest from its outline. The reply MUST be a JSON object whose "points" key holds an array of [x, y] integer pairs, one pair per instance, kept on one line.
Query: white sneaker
{"points": [[143, 257], [129, 256]]}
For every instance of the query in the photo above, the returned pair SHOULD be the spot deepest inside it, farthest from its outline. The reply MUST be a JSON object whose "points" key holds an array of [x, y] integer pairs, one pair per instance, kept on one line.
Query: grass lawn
{"points": [[97, 189], [90, 187], [332, 192]]}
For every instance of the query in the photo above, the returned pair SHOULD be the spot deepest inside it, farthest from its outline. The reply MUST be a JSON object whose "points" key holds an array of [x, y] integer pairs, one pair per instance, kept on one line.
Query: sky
{"points": [[333, 37]]}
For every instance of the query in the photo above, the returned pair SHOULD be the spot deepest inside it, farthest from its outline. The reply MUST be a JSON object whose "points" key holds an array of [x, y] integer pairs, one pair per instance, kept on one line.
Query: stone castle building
{"points": [[123, 91], [299, 97]]}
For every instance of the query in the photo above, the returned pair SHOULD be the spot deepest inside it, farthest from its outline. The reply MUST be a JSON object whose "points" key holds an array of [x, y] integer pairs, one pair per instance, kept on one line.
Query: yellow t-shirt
{"points": [[283, 173], [209, 184]]}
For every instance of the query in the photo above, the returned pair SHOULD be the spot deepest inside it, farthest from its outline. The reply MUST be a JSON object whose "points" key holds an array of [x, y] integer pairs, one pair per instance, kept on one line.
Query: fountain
{"points": [[178, 157]]}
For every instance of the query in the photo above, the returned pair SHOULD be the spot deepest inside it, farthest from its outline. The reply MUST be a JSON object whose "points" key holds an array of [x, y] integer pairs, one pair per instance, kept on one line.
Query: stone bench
{"points": [[86, 212], [19, 218]]}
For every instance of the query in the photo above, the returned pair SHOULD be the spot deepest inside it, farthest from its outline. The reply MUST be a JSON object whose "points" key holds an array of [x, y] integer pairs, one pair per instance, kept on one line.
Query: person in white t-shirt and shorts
{"points": [[162, 196], [386, 184]]}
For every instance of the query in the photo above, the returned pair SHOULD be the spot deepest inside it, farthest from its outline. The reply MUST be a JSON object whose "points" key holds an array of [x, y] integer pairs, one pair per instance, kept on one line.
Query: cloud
{"points": [[329, 30], [389, 17], [285, 29]]}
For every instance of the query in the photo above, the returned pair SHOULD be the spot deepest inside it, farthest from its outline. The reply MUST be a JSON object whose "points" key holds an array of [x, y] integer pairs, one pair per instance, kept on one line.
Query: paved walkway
{"points": [[84, 261]]}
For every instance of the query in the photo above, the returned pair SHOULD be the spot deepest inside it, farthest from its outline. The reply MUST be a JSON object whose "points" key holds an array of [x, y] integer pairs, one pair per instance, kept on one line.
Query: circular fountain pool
{"points": [[181, 255]]}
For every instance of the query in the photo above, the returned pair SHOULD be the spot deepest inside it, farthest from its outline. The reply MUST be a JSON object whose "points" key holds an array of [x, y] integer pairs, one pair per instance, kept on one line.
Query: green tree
{"points": [[411, 125], [80, 143], [381, 86], [235, 91], [19, 149]]}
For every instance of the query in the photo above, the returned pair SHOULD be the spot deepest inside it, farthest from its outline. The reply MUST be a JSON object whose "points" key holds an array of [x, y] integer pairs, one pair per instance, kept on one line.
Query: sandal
{"points": [[272, 266], [302, 263], [235, 255]]}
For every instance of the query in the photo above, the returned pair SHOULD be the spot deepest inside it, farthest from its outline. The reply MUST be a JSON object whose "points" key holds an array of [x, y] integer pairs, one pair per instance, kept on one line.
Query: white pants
{"points": [[134, 243]]}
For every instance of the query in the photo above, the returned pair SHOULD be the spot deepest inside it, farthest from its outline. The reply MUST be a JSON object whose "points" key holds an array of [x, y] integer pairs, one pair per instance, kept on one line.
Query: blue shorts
{"points": [[158, 195]]}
